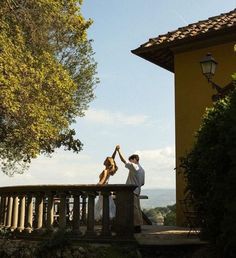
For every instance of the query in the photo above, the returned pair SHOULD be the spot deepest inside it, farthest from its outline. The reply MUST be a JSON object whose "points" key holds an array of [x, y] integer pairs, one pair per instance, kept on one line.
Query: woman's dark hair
{"points": [[134, 156]]}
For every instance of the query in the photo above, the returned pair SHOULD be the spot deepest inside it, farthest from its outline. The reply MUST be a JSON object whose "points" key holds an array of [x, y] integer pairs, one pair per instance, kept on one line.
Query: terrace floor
{"points": [[153, 235]]}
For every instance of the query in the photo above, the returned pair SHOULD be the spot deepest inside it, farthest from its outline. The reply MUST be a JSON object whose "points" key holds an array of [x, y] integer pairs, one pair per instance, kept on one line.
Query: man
{"points": [[135, 177]]}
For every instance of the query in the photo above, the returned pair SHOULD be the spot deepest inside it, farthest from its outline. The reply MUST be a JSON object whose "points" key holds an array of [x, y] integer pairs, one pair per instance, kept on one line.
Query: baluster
{"points": [[90, 219], [2, 210], [29, 223], [68, 206], [15, 212], [83, 219], [76, 214], [106, 232], [9, 211], [4, 205], [50, 211], [5, 211], [21, 225], [39, 211], [62, 211], [1, 201]]}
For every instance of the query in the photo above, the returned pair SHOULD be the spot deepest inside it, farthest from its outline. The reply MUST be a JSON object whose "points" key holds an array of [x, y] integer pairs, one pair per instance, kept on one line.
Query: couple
{"points": [[135, 177]]}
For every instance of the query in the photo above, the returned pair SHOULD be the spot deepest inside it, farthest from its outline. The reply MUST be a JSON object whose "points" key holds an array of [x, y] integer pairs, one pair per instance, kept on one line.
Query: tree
{"points": [[162, 214], [47, 77], [210, 170]]}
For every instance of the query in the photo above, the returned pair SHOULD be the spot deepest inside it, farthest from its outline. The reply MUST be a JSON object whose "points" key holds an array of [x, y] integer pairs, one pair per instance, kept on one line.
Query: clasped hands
{"points": [[117, 147]]}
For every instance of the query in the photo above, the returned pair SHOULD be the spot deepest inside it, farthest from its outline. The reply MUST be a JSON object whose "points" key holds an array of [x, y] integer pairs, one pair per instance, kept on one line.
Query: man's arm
{"points": [[120, 155]]}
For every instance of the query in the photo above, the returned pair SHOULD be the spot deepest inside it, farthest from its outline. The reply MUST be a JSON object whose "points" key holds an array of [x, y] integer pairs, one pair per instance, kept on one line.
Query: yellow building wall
{"points": [[192, 96]]}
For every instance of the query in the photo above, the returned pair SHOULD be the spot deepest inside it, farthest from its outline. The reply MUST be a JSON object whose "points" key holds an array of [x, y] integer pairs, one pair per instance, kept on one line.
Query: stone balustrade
{"points": [[26, 210]]}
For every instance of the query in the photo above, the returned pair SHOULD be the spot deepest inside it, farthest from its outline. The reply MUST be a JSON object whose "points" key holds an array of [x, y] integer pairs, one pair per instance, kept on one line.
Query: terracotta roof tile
{"points": [[159, 50], [215, 23]]}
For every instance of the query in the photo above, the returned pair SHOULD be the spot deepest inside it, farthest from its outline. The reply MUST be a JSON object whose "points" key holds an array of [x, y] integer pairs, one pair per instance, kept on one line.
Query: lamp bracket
{"points": [[218, 88], [221, 91]]}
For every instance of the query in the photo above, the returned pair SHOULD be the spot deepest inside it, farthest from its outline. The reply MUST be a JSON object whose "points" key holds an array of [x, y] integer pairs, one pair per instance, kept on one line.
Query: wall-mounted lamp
{"points": [[208, 65]]}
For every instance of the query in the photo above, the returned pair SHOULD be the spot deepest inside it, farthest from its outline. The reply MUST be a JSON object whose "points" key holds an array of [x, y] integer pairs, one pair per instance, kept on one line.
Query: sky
{"points": [[134, 105]]}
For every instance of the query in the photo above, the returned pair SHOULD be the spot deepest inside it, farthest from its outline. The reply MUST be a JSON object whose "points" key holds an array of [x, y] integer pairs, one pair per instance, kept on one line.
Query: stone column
{"points": [[9, 211], [124, 213], [29, 223], [50, 211], [15, 213], [62, 211], [106, 232], [21, 224], [76, 214], [90, 219]]}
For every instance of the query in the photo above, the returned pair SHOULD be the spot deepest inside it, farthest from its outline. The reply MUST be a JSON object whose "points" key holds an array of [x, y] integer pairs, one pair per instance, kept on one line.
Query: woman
{"points": [[110, 170]]}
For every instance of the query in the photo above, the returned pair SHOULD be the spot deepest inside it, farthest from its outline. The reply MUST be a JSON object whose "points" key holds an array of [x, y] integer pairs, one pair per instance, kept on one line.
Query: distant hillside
{"points": [[158, 198]]}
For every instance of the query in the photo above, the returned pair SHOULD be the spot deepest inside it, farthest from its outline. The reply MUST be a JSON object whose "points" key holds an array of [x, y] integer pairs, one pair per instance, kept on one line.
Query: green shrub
{"points": [[170, 216], [210, 170]]}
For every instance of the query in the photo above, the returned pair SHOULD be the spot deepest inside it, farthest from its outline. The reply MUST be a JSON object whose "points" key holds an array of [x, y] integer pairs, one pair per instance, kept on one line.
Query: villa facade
{"points": [[180, 52]]}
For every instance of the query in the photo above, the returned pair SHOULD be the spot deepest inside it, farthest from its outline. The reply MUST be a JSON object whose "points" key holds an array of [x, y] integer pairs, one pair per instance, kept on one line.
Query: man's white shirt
{"points": [[136, 176]]}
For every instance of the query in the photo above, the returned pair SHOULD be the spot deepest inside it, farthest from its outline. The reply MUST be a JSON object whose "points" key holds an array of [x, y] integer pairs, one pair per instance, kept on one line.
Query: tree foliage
{"points": [[47, 77], [210, 170], [167, 213]]}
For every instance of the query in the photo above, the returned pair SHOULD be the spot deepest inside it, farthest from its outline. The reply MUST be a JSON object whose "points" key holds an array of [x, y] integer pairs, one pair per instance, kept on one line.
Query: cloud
{"points": [[114, 118], [160, 154], [159, 166], [84, 168], [62, 168]]}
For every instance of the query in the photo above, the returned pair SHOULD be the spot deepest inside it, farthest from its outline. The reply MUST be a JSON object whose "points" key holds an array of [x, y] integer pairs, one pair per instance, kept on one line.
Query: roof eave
{"points": [[168, 49], [152, 54]]}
